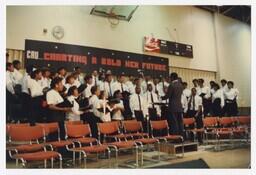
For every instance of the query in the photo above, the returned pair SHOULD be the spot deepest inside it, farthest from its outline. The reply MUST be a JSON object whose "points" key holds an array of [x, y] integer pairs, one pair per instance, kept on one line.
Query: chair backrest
{"points": [[188, 121], [159, 125], [108, 128], [26, 133], [225, 121], [210, 121], [244, 120], [74, 122], [77, 131], [49, 127], [14, 124], [132, 126]]}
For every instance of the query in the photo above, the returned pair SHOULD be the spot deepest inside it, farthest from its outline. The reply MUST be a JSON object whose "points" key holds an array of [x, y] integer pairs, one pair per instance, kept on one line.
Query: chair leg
{"points": [[85, 159], [158, 144], [60, 158], [109, 157], [51, 162], [17, 163], [137, 156], [23, 163], [74, 158], [45, 163], [142, 162]]}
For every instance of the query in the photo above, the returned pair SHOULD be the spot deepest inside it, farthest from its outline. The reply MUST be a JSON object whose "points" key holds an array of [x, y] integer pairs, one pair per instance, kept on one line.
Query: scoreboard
{"points": [[167, 47]]}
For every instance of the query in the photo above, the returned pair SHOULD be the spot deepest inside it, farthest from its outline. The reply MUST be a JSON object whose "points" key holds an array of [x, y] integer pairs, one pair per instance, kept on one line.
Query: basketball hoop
{"points": [[113, 19]]}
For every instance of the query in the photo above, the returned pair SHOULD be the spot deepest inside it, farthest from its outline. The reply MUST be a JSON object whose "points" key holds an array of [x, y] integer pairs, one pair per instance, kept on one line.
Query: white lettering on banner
{"points": [[31, 54]]}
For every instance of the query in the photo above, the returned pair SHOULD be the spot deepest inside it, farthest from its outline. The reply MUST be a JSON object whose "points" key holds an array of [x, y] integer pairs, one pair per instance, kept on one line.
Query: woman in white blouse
{"points": [[217, 100], [231, 96], [73, 94]]}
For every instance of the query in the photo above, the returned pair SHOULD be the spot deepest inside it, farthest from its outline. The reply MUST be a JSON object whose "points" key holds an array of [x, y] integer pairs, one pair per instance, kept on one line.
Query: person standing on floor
{"points": [[231, 96], [175, 109], [195, 110]]}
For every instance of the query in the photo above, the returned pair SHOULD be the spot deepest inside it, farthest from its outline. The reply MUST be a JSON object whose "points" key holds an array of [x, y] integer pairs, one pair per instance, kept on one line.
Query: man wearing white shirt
{"points": [[46, 80], [94, 117], [36, 92], [231, 96], [186, 90], [95, 79], [17, 74], [195, 108], [151, 98], [80, 76], [10, 93], [139, 107], [129, 85], [160, 87], [10, 81], [89, 84], [120, 84], [205, 93], [62, 74], [108, 85]]}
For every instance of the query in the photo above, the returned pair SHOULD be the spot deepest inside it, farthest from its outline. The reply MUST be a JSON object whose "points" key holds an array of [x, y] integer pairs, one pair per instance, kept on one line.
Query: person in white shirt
{"points": [[77, 82], [164, 106], [118, 108], [108, 85], [145, 81], [94, 116], [17, 74], [120, 84], [95, 79], [62, 74], [36, 92], [70, 81], [186, 90], [184, 102], [105, 107], [80, 77], [139, 107], [73, 94], [89, 84], [10, 81], [231, 96], [196, 85], [195, 110], [211, 87], [54, 99], [205, 93], [151, 97], [46, 80], [129, 85], [217, 101], [160, 87], [10, 93], [224, 86]]}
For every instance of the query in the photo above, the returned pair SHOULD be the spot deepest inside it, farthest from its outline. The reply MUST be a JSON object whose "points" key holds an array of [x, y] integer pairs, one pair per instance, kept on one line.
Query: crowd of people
{"points": [[41, 95]]}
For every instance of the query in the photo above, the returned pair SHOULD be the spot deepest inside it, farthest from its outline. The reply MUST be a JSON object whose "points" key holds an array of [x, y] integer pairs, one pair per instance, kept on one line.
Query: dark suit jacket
{"points": [[175, 90]]}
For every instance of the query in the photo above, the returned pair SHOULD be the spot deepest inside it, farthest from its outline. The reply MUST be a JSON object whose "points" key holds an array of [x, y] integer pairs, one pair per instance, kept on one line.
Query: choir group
{"points": [[41, 95]]}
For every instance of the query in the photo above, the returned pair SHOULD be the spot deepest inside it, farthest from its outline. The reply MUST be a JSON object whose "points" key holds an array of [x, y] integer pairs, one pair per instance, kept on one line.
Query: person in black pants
{"points": [[93, 116], [175, 109], [139, 108], [57, 111], [195, 111]]}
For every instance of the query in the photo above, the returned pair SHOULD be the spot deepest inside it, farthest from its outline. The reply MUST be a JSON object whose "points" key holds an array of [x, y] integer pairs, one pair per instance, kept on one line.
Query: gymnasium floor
{"points": [[232, 158]]}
